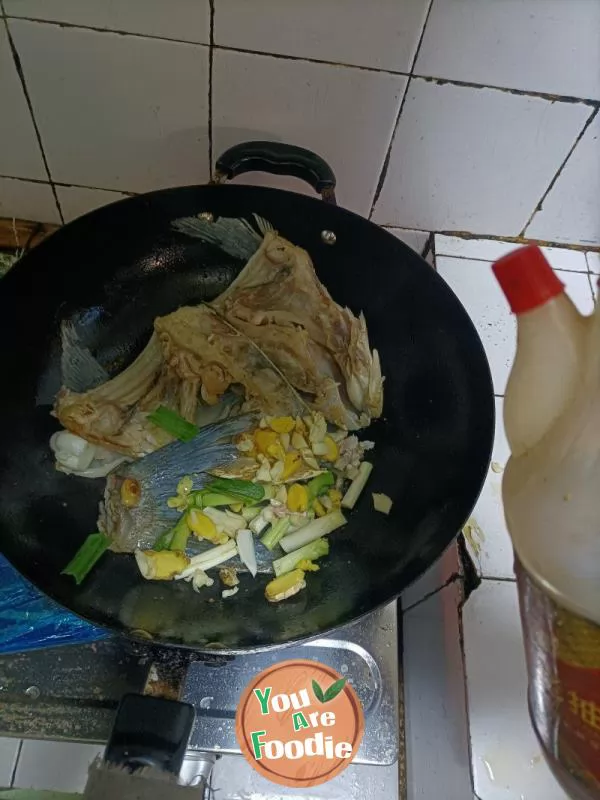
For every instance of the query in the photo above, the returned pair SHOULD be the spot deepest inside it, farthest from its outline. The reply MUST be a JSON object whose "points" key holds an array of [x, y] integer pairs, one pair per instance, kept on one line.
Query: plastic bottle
{"points": [[551, 494]]}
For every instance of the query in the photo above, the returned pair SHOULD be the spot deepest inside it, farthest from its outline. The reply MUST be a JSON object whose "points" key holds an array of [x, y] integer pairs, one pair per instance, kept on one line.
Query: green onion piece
{"points": [[314, 530], [171, 422], [310, 552], [208, 499], [244, 490], [275, 533], [320, 484], [88, 554], [181, 532], [163, 541], [250, 512], [211, 558], [357, 485]]}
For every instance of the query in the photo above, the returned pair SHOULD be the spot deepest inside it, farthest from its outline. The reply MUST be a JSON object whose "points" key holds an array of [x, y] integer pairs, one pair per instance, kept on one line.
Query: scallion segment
{"points": [[87, 556], [314, 530], [181, 533], [310, 552], [173, 423], [320, 484], [276, 532], [244, 491], [357, 485]]}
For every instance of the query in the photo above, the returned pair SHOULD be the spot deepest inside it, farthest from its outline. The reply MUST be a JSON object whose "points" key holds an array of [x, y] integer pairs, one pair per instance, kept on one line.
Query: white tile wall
{"points": [[76, 200], [477, 289], [386, 37], [9, 751], [537, 45], [187, 20], [416, 240], [136, 108], [492, 249], [20, 155], [27, 200], [473, 159], [571, 211], [61, 766], [479, 292], [489, 542], [344, 114], [593, 260], [124, 112], [507, 761]]}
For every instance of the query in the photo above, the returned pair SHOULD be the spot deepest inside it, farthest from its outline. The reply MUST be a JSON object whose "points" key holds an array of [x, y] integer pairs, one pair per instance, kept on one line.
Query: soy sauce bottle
{"points": [[551, 496]]}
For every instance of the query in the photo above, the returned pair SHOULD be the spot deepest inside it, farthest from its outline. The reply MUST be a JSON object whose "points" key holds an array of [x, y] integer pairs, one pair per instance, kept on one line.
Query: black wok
{"points": [[116, 269]]}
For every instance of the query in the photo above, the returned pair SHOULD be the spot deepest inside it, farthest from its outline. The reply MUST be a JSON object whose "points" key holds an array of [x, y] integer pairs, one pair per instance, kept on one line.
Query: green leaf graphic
{"points": [[334, 690], [318, 692]]}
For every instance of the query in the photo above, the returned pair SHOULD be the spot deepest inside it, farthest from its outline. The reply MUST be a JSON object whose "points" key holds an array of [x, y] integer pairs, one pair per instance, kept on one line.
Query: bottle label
{"points": [[578, 672], [563, 660]]}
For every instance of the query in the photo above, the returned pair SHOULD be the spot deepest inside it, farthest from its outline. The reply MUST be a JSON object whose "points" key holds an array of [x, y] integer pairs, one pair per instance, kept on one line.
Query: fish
{"points": [[236, 237], [156, 476], [278, 302], [80, 370]]}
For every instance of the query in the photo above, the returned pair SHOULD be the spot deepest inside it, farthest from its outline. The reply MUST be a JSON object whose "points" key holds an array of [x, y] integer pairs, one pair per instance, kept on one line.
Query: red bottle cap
{"points": [[527, 279]]}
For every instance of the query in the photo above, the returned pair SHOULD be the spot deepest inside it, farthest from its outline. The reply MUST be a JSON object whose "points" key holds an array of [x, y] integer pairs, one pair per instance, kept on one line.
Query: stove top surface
{"points": [[366, 652], [72, 693]]}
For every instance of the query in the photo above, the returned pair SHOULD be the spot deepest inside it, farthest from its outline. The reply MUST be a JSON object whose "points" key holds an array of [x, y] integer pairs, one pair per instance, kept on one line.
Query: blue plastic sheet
{"points": [[31, 621]]}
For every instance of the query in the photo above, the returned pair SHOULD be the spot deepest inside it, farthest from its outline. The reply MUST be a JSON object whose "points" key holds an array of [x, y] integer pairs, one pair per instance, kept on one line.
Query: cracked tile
{"points": [[474, 160], [570, 211]]}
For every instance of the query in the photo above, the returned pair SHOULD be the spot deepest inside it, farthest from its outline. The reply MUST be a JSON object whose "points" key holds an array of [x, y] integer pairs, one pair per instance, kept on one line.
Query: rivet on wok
{"points": [[328, 237], [207, 216]]}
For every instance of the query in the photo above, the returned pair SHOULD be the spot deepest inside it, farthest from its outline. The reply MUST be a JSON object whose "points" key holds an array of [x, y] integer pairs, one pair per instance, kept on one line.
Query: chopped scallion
{"points": [[87, 556], [171, 422]]}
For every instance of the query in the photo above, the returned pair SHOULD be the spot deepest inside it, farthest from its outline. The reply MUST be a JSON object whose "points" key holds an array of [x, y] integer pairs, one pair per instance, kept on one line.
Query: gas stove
{"points": [[72, 693]]}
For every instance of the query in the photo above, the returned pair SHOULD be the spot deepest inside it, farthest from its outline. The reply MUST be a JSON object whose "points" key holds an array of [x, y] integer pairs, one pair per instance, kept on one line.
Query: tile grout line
{"points": [[211, 53], [548, 96], [71, 26], [491, 261], [463, 659], [21, 74], [388, 154], [561, 167], [67, 185], [456, 577], [13, 775], [429, 78], [467, 236], [589, 277], [310, 60]]}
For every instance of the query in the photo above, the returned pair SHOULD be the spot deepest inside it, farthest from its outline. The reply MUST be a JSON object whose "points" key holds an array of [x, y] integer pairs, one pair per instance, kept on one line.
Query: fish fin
{"points": [[225, 429], [263, 224], [80, 370], [236, 237], [161, 471]]}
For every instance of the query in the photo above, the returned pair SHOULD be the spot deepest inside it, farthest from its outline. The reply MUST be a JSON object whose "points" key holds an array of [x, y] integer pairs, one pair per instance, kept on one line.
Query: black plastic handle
{"points": [[278, 159], [150, 732]]}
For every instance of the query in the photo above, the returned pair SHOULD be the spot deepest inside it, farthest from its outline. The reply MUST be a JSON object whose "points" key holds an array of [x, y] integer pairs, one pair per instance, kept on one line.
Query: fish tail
{"points": [[236, 237], [225, 429], [80, 370]]}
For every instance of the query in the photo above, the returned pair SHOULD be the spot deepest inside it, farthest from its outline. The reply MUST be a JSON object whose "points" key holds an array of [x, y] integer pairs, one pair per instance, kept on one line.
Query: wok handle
{"points": [[150, 732], [278, 159]]}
